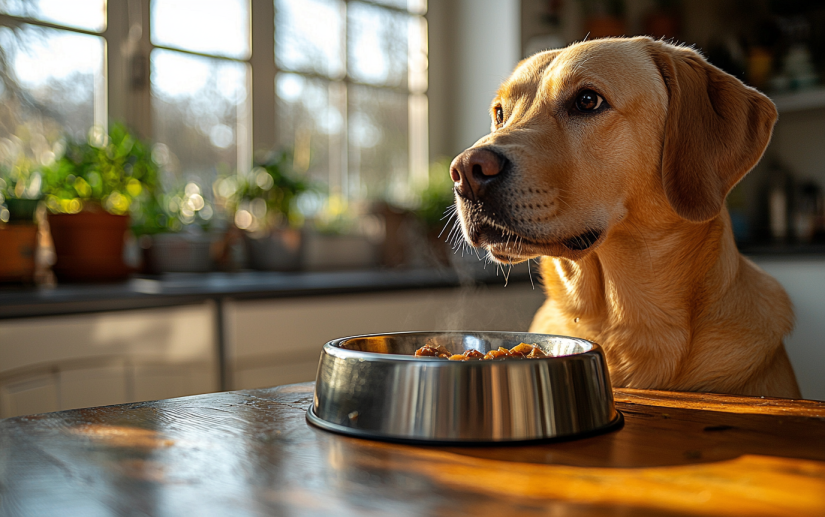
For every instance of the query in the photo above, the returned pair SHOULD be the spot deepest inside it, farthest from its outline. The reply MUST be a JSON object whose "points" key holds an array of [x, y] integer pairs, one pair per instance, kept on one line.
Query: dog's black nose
{"points": [[474, 169]]}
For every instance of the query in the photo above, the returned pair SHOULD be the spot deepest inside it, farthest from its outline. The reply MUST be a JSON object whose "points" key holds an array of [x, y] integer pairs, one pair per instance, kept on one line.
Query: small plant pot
{"points": [[278, 250], [18, 244], [179, 253], [88, 246], [22, 211], [326, 252]]}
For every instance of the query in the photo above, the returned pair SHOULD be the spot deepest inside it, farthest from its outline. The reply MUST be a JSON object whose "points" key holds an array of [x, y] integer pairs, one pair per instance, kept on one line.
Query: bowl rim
{"points": [[334, 348]]}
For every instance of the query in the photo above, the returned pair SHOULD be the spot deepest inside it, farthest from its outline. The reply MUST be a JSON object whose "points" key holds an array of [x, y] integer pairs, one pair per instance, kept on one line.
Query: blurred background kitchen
{"points": [[195, 195]]}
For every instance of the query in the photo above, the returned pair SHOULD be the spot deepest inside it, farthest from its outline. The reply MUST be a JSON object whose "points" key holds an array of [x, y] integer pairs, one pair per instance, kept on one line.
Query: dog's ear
{"points": [[716, 131]]}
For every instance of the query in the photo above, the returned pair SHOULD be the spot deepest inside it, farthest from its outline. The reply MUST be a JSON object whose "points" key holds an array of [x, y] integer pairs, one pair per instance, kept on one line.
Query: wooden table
{"points": [[253, 453]]}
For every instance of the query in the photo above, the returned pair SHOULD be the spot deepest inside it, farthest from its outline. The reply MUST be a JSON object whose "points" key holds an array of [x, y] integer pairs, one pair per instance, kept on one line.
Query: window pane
{"points": [[377, 45], [414, 6], [311, 122], [49, 86], [83, 14], [419, 60], [378, 143], [309, 36], [200, 115], [219, 27]]}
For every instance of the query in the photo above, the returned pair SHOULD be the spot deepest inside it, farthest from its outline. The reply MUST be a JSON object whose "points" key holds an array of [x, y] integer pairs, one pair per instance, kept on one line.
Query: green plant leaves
{"points": [[114, 171]]}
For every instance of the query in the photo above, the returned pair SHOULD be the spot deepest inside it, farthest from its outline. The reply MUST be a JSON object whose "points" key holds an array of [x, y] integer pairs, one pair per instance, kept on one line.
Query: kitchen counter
{"points": [[175, 289], [253, 453], [187, 288]]}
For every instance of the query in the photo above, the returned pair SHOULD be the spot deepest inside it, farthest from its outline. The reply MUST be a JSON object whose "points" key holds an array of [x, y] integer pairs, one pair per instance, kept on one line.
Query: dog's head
{"points": [[583, 136]]}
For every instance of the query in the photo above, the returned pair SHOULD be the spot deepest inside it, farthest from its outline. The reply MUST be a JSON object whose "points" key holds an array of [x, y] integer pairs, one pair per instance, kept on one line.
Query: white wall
{"points": [[489, 46], [474, 46]]}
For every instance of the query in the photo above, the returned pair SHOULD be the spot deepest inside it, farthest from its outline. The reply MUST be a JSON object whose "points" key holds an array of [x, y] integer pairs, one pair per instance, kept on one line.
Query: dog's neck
{"points": [[625, 294]]}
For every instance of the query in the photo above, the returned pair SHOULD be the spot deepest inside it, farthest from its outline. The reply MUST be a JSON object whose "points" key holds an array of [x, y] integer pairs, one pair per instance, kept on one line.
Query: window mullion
{"points": [[342, 97], [264, 129], [127, 65], [117, 28]]}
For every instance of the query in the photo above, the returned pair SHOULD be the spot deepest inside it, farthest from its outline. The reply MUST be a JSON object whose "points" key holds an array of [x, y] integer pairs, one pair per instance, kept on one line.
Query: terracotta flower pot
{"points": [[18, 243], [89, 246]]}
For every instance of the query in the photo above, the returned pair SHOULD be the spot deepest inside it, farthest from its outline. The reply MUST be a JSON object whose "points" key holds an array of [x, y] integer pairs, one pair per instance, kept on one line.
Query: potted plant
{"points": [[264, 202], [342, 235], [173, 228], [437, 213], [20, 190], [19, 198], [89, 192]]}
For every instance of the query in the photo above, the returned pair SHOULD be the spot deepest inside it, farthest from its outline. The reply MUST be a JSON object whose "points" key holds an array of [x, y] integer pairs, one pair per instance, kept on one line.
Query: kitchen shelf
{"points": [[800, 101]]}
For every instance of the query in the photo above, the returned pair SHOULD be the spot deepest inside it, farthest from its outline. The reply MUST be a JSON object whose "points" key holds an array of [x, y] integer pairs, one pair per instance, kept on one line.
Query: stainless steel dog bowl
{"points": [[374, 387]]}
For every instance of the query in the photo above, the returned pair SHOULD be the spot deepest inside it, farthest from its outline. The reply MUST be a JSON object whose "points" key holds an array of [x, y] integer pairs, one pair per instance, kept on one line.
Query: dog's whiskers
{"points": [[530, 274], [449, 213], [507, 274], [455, 232]]}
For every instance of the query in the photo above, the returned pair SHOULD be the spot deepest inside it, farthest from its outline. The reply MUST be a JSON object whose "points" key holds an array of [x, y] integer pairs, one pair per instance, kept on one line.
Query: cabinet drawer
{"points": [[66, 362]]}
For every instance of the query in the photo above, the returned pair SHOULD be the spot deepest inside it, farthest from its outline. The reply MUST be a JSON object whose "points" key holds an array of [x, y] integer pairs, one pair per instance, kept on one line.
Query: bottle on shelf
{"points": [[779, 190]]}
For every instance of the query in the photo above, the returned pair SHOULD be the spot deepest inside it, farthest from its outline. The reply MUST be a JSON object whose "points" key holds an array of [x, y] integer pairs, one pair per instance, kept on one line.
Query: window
{"points": [[351, 89], [343, 84], [200, 93], [51, 76]]}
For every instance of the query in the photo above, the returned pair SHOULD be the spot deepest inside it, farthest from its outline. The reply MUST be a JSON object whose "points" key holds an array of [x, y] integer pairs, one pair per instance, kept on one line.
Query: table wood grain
{"points": [[253, 453]]}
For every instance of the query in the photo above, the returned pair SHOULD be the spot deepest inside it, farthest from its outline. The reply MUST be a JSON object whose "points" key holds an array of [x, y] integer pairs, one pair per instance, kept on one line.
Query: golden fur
{"points": [[662, 286]]}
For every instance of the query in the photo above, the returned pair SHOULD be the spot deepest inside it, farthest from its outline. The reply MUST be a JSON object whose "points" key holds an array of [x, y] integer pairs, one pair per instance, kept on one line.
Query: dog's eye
{"points": [[499, 113], [588, 101]]}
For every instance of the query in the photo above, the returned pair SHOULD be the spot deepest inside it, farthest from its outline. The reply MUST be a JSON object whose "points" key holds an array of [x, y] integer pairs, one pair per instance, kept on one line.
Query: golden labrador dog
{"points": [[611, 159]]}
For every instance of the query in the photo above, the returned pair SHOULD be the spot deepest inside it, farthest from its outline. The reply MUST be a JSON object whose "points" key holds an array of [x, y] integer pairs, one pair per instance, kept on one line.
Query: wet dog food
{"points": [[520, 351]]}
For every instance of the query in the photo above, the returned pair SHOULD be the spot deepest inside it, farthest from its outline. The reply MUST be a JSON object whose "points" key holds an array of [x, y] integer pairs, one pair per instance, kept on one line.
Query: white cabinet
{"points": [[36, 393], [275, 342], [65, 362], [94, 385]]}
